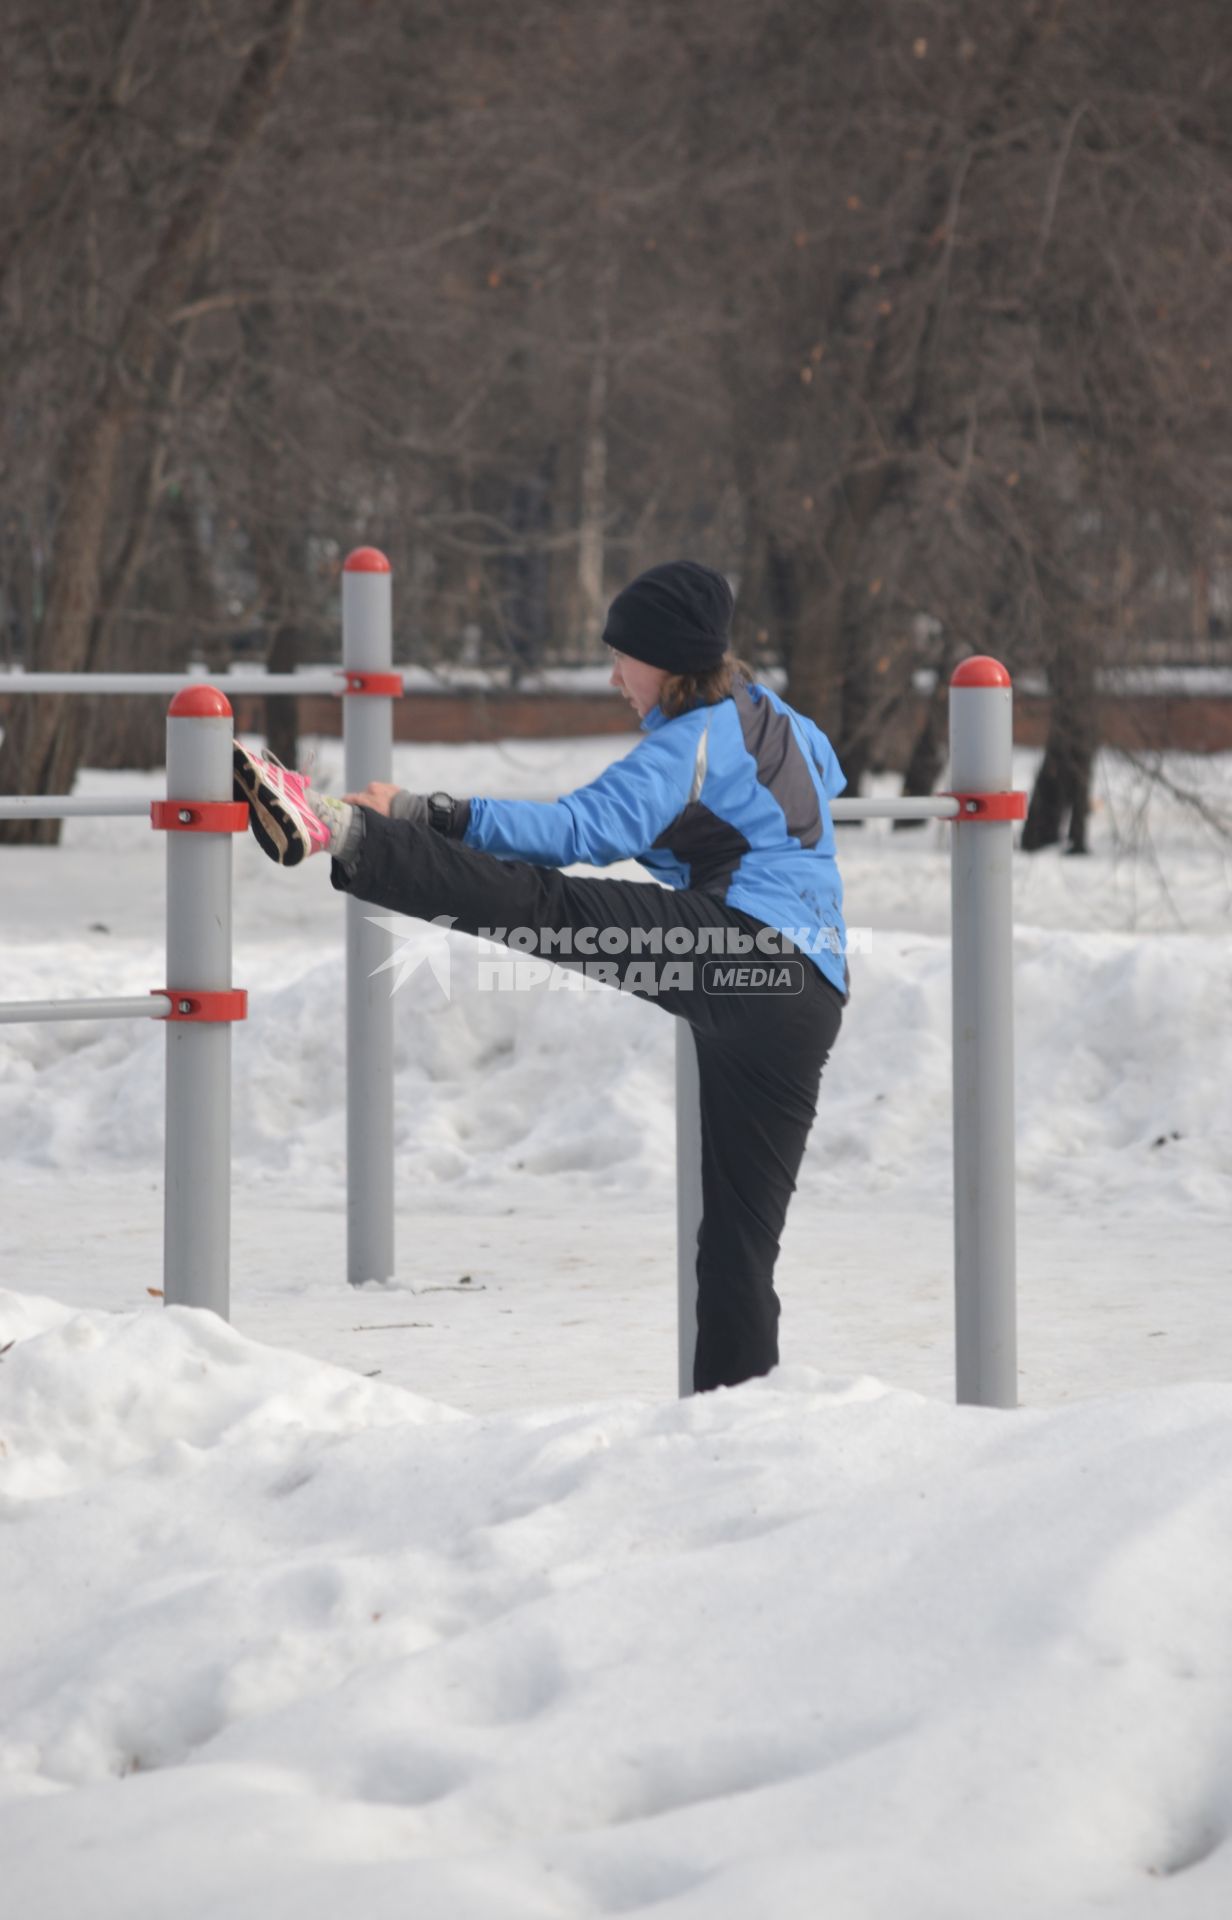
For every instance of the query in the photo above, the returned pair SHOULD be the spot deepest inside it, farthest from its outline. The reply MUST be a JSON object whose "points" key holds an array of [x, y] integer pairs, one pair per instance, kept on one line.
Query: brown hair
{"points": [[682, 691]]}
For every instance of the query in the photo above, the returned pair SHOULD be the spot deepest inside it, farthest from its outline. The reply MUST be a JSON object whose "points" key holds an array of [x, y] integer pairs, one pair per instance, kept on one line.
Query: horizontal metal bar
{"points": [[73, 806], [150, 1006], [67, 807], [319, 680], [54, 806], [940, 807]]}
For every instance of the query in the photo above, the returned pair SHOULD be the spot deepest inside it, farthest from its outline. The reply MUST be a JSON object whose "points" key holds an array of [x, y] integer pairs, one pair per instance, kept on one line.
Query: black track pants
{"points": [[759, 1054]]}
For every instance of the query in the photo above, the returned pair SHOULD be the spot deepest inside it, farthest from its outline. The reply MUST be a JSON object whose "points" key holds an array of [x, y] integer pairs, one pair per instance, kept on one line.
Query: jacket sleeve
{"points": [[619, 816], [833, 779]]}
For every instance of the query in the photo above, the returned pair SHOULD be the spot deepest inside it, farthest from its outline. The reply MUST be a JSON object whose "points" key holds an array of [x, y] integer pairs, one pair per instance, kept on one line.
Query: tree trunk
{"points": [[207, 635], [41, 739], [129, 733], [861, 715], [282, 709], [927, 756], [1062, 790], [829, 672], [275, 556], [804, 614], [594, 463], [39, 753]]}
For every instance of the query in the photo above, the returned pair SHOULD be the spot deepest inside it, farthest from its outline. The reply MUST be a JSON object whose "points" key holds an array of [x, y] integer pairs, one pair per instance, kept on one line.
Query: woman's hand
{"points": [[377, 795]]}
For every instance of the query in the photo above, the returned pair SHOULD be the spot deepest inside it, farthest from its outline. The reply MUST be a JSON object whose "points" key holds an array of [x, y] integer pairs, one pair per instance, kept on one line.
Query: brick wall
{"points": [[1197, 724], [1143, 722]]}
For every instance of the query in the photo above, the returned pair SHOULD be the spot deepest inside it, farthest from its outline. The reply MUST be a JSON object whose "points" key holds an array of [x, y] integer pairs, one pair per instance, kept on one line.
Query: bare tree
{"points": [[38, 750], [974, 341], [910, 316]]}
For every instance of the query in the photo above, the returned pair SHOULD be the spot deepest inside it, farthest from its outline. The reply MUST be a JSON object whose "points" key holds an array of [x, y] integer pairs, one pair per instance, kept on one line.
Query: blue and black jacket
{"points": [[732, 799]]}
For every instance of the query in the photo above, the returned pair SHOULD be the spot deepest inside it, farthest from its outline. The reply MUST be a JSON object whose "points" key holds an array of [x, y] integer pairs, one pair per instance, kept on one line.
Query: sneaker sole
{"points": [[275, 831]]}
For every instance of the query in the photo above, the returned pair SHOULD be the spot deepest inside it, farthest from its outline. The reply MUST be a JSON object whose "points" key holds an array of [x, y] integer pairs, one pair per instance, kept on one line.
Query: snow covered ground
{"points": [[431, 1598]]}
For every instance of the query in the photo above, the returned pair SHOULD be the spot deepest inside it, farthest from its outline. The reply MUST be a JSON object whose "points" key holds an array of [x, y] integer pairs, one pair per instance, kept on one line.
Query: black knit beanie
{"points": [[676, 616]]}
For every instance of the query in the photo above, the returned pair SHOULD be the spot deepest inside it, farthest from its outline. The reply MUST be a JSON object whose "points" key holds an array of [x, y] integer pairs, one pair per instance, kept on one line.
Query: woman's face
{"points": [[639, 683]]}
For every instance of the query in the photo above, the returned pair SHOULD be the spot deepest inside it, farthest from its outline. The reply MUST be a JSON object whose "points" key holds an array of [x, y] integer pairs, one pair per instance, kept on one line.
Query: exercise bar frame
{"points": [[981, 810]]}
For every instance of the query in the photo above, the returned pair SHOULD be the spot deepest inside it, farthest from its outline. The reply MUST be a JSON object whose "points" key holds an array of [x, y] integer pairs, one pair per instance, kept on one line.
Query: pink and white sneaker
{"points": [[281, 814]]}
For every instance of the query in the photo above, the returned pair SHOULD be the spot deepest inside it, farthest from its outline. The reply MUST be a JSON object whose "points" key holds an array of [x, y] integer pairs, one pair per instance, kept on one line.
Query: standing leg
{"points": [[758, 1099]]}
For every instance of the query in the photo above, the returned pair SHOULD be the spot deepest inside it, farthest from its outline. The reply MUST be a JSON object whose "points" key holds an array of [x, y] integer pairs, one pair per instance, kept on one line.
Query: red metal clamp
{"points": [[386, 686], [208, 1008], [980, 809], [199, 816]]}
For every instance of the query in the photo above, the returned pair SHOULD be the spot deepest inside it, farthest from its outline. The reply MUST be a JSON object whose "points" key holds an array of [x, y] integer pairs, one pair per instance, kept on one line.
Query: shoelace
{"points": [[304, 773], [329, 813]]}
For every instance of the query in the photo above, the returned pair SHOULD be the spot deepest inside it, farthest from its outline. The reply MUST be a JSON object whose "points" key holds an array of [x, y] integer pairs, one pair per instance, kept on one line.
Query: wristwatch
{"points": [[441, 808]]}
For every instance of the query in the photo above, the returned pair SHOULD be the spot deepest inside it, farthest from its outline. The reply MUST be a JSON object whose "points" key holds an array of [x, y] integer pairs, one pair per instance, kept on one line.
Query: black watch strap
{"points": [[441, 809]]}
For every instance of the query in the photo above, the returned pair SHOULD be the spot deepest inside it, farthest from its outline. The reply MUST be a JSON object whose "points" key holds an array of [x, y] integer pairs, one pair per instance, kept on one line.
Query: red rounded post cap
{"points": [[365, 560], [981, 670], [200, 703]]}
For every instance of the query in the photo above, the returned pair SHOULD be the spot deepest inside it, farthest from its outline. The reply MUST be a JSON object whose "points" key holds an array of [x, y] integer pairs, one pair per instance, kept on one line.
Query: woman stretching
{"points": [[726, 800]]}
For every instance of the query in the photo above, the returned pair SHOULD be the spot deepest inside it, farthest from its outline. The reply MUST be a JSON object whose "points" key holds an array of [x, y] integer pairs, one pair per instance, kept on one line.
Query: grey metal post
{"points": [[981, 745], [197, 1217], [688, 1200], [367, 647]]}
